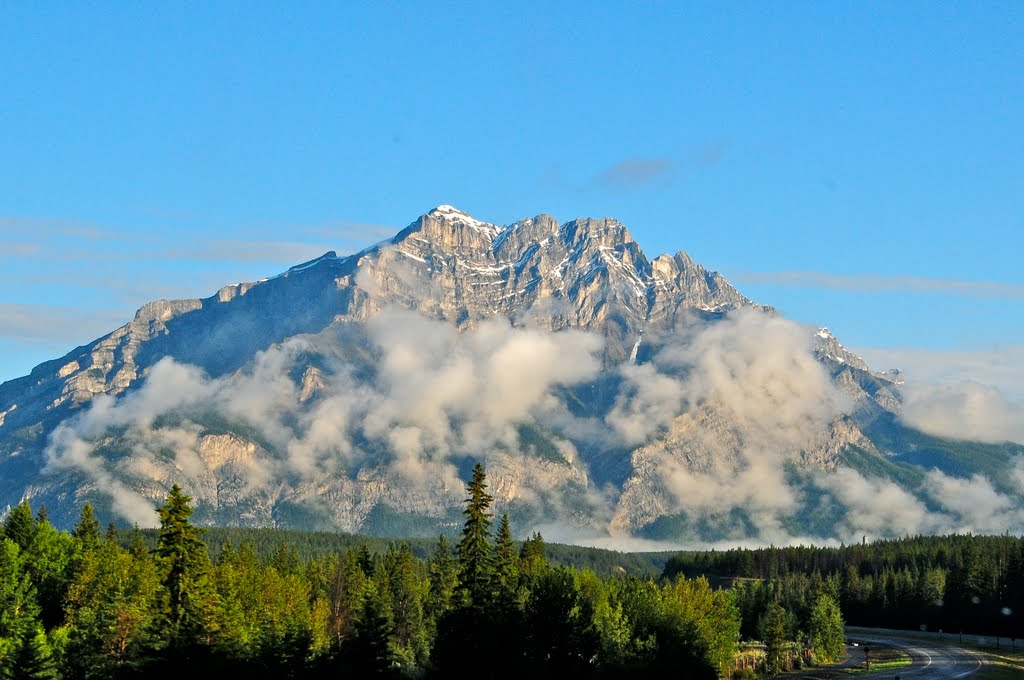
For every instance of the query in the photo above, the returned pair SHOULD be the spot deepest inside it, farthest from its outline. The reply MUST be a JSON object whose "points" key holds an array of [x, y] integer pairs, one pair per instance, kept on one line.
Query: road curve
{"points": [[928, 658]]}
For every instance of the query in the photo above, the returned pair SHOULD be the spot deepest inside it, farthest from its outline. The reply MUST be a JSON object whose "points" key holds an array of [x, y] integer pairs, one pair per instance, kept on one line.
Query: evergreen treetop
{"points": [[476, 561]]}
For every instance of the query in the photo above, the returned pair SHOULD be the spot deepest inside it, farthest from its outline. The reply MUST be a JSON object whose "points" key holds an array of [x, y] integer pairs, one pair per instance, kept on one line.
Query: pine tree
{"points": [[775, 634], [137, 546], [365, 559], [443, 573], [190, 595], [505, 557], [286, 559], [826, 630], [31, 658], [110, 612], [19, 608], [468, 636], [506, 575], [368, 650], [20, 527], [532, 557], [87, 531], [346, 583], [476, 561], [401, 582], [48, 562]]}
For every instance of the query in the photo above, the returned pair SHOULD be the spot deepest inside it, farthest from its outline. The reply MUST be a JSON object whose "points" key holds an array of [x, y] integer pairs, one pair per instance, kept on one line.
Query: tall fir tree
{"points": [[775, 634], [476, 561], [443, 573], [19, 608], [186, 581], [506, 559], [506, 576], [87, 531], [110, 608], [398, 571], [31, 658], [828, 638], [532, 557], [468, 636], [20, 527], [367, 651]]}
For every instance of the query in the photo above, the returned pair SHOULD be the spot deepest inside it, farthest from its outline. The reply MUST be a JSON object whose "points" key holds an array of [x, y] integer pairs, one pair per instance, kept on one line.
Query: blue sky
{"points": [[857, 165]]}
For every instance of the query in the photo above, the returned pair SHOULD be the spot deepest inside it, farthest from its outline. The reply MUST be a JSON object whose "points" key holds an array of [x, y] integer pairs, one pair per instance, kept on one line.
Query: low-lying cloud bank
{"points": [[968, 410], [435, 394], [717, 419]]}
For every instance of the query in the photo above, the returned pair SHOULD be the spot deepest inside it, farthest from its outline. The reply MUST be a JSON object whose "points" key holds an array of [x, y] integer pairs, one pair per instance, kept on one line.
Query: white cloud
{"points": [[879, 283], [437, 393], [1000, 366], [968, 411], [745, 392]]}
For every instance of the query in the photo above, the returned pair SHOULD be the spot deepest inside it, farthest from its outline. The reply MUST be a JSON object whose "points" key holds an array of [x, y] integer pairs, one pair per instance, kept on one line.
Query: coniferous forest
{"points": [[107, 604]]}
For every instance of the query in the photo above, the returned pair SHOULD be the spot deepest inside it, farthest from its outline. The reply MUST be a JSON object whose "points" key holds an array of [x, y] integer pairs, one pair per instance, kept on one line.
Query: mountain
{"points": [[611, 396]]}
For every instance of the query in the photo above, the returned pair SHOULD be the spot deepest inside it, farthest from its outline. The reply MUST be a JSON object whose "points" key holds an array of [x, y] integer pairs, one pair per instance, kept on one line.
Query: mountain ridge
{"points": [[617, 406]]}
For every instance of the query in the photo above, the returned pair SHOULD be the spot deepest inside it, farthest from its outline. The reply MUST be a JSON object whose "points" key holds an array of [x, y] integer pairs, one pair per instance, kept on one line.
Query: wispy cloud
{"points": [[56, 323], [21, 249], [876, 283], [67, 281], [42, 227], [632, 173], [968, 410], [224, 250], [999, 366], [637, 172]]}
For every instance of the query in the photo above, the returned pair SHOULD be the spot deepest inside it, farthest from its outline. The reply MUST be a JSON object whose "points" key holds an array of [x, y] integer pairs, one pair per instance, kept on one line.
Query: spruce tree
{"points": [[368, 650], [775, 633], [137, 544], [532, 557], [506, 574], [365, 559], [87, 531], [19, 608], [826, 630], [505, 557], [110, 613], [468, 636], [190, 595], [398, 571], [443, 573], [20, 527], [31, 658], [476, 562]]}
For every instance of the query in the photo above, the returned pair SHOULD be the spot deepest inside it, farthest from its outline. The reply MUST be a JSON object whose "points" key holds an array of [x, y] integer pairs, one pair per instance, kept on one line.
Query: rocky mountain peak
{"points": [[319, 333]]}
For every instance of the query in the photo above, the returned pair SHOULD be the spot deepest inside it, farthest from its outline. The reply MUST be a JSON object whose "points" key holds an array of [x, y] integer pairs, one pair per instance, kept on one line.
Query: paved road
{"points": [[928, 658]]}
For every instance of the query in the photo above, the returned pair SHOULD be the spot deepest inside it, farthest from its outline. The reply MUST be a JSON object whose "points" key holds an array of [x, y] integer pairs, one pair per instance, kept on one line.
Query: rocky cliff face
{"points": [[586, 449]]}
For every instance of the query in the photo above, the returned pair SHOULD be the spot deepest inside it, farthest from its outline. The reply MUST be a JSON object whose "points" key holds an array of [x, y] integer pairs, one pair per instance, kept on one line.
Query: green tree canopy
{"points": [[476, 560], [186, 565], [828, 639]]}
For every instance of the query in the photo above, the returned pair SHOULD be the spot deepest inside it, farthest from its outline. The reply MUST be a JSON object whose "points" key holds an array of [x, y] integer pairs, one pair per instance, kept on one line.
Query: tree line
{"points": [[954, 583], [85, 604]]}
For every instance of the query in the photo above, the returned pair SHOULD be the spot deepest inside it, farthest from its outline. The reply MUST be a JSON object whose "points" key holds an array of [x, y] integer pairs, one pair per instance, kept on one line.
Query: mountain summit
{"points": [[608, 394]]}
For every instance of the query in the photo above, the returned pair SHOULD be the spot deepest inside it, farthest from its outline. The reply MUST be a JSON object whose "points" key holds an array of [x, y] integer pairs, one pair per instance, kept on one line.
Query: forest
{"points": [[90, 603], [959, 583]]}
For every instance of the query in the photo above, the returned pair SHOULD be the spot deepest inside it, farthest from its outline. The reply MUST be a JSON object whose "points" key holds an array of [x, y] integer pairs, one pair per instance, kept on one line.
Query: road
{"points": [[928, 659]]}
